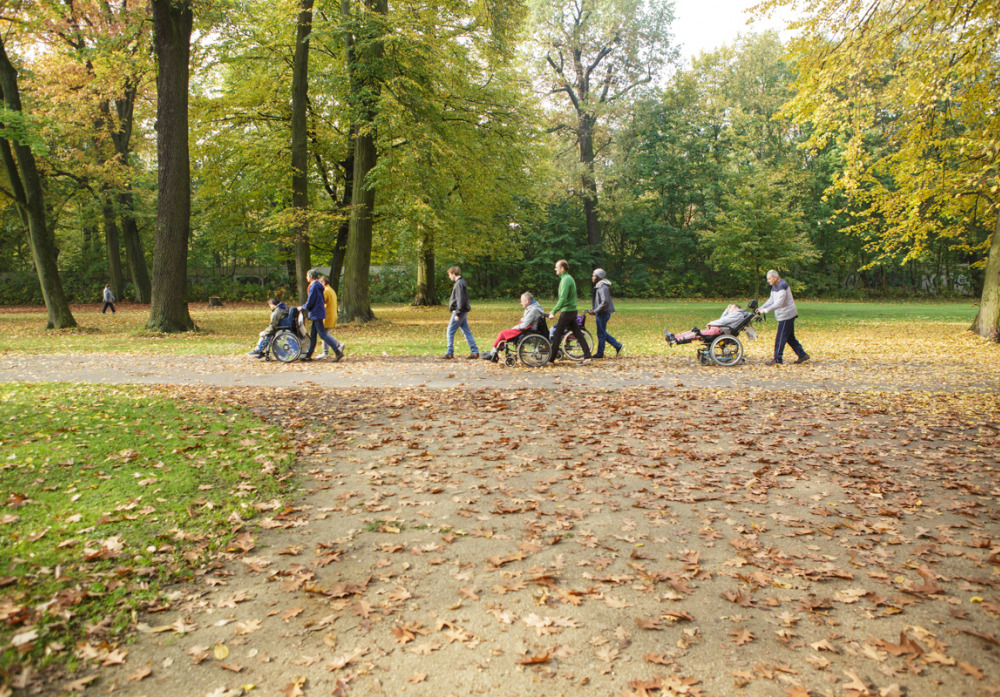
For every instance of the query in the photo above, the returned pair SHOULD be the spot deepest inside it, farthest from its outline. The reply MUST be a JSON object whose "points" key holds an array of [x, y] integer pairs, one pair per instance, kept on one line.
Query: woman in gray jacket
{"points": [[783, 304], [603, 307]]}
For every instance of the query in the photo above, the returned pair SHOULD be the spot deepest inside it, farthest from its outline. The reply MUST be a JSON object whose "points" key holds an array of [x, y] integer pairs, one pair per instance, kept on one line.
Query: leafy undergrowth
{"points": [[647, 543], [927, 333], [108, 493]]}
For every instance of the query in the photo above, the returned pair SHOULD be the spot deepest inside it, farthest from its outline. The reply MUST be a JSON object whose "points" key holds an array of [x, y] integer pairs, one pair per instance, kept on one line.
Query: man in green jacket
{"points": [[566, 308]]}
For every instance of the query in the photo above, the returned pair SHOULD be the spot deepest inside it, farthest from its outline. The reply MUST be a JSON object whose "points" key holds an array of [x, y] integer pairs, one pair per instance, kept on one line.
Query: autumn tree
{"points": [[27, 191], [924, 77], [300, 145], [172, 24], [597, 55]]}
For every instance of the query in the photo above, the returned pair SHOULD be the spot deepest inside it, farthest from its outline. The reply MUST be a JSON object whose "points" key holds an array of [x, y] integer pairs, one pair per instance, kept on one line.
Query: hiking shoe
{"points": [[339, 353], [472, 356], [447, 357], [803, 359], [306, 359]]}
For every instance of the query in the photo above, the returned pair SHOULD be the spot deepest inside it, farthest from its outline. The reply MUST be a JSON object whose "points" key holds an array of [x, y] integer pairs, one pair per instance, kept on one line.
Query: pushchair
{"points": [[721, 344], [287, 343]]}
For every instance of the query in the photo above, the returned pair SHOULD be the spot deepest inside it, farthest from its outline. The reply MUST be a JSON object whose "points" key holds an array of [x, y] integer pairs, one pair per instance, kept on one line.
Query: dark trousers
{"points": [[567, 322], [786, 335], [318, 331], [106, 306]]}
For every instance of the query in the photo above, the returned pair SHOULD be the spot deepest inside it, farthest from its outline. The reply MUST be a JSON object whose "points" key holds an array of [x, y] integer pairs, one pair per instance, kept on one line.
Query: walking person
{"points": [[109, 299], [603, 307], [783, 304], [459, 307], [330, 302], [315, 308], [567, 311]]}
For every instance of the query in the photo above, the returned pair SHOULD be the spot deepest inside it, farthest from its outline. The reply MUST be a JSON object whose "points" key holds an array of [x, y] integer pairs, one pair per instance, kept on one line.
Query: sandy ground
{"points": [[628, 528]]}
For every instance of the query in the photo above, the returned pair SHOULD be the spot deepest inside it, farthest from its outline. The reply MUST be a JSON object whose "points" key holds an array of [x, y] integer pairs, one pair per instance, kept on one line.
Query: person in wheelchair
{"points": [[279, 320], [532, 319], [733, 315]]}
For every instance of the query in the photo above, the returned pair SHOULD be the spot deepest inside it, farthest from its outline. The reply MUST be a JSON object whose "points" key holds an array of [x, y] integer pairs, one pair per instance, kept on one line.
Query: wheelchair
{"points": [[533, 348], [288, 343]]}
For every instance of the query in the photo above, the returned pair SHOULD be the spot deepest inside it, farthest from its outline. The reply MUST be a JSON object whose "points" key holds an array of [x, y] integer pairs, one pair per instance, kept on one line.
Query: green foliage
{"points": [[100, 511]]}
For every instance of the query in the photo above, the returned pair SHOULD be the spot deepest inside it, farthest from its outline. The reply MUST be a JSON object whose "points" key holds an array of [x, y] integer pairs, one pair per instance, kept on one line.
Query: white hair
{"points": [[772, 274]]}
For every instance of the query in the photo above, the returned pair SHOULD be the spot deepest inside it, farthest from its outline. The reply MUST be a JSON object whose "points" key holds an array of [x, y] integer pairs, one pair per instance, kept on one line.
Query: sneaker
{"points": [[621, 347], [255, 353], [773, 362], [447, 357], [597, 358], [803, 359], [585, 361], [339, 353], [472, 356]]}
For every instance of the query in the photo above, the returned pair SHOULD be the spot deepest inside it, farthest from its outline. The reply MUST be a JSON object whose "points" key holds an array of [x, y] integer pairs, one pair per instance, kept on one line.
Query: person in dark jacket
{"points": [[315, 308], [603, 307], [109, 299], [459, 307], [279, 320]]}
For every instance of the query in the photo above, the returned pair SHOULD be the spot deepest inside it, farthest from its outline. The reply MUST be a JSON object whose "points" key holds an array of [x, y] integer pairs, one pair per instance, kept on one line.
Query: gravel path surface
{"points": [[408, 372]]}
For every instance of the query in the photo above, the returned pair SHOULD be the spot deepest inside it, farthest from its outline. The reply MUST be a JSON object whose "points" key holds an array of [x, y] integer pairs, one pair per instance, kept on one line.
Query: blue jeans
{"points": [[318, 330], [602, 334], [460, 321], [786, 335]]}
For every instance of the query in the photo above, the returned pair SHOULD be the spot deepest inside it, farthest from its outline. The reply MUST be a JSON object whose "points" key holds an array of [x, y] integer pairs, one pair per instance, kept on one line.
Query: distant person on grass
{"points": [[603, 307], [459, 307], [567, 310], [783, 304], [532, 317], [279, 320], [109, 299], [330, 300], [315, 308]]}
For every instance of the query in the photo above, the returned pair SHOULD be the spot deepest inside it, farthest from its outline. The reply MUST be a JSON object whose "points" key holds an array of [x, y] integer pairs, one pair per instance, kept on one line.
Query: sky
{"points": [[705, 25]]}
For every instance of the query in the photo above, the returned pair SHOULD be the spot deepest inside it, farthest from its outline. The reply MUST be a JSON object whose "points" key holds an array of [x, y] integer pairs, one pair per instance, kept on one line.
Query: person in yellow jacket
{"points": [[330, 300]]}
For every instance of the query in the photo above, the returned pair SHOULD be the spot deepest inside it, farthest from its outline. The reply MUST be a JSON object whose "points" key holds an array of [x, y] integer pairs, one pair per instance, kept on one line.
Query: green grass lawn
{"points": [[849, 329], [107, 493]]}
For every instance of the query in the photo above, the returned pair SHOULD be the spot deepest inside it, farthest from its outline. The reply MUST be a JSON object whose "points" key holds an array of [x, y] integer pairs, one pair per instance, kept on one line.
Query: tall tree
{"points": [[926, 78], [598, 54], [172, 24], [26, 182], [365, 49], [300, 146]]}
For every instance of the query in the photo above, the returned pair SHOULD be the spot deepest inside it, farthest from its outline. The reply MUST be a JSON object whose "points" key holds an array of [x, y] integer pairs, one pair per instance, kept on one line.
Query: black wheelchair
{"points": [[533, 348], [288, 343]]}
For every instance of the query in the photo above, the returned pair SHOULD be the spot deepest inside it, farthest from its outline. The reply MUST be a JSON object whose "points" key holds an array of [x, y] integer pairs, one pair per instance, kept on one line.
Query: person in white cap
{"points": [[603, 307], [783, 304]]}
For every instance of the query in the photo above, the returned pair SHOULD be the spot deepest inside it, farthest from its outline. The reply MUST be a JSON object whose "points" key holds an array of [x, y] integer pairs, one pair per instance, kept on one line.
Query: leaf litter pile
{"points": [[629, 542]]}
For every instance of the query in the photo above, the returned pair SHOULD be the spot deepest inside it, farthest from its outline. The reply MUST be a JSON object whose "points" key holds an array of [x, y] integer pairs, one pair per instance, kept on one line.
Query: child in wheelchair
{"points": [[732, 317], [280, 319], [532, 319]]}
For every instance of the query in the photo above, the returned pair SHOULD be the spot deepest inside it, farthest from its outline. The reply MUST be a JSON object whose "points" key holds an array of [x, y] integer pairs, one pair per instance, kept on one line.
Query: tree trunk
{"points": [[300, 148], [426, 292], [113, 247], [25, 180], [987, 322], [586, 138], [133, 249], [168, 311], [355, 303]]}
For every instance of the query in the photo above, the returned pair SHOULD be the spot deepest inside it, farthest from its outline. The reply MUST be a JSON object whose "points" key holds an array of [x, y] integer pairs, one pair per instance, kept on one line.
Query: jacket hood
{"points": [[603, 282]]}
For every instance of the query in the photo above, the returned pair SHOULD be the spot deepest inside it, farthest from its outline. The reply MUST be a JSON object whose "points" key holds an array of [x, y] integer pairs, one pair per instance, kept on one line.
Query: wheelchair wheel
{"points": [[286, 346], [534, 350], [574, 350], [726, 350], [510, 361]]}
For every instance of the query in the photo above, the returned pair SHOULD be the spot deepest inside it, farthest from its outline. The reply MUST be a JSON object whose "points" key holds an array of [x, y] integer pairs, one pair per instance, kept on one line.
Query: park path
{"points": [[470, 542], [363, 371]]}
